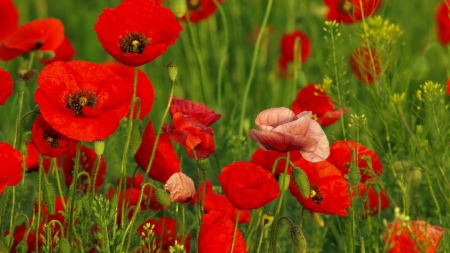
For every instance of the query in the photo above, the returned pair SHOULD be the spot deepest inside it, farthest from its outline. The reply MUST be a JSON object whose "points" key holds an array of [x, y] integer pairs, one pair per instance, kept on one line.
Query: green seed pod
{"points": [[416, 177], [136, 136], [179, 8], [163, 197], [318, 219], [267, 220], [283, 181], [354, 176], [204, 165], [301, 181], [99, 147], [172, 68], [298, 239]]}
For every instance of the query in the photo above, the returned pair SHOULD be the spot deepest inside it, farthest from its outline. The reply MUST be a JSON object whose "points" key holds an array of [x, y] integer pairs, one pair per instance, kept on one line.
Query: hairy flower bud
{"points": [[298, 239], [283, 181], [301, 181], [163, 197]]}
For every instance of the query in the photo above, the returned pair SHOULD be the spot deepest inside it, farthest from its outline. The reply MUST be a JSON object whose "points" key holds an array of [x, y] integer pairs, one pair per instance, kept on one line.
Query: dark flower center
{"points": [[38, 45], [134, 43], [316, 194], [79, 99], [52, 138], [194, 5], [346, 7]]}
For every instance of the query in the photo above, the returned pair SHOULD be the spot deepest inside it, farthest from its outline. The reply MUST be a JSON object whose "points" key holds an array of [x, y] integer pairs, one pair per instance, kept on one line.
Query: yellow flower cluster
{"points": [[376, 29]]}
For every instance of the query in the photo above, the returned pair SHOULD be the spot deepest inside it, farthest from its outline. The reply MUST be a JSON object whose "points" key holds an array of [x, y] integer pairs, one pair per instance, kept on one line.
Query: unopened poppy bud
{"points": [[283, 181], [376, 188], [267, 220], [47, 55], [172, 68], [136, 136], [179, 8], [354, 176], [318, 219], [401, 166], [180, 187], [63, 246], [416, 177], [22, 247], [204, 165], [301, 181], [99, 147], [163, 197], [298, 239]]}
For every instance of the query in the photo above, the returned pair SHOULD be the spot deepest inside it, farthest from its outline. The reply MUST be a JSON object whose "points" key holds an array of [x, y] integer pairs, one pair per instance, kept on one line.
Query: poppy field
{"points": [[220, 126]]}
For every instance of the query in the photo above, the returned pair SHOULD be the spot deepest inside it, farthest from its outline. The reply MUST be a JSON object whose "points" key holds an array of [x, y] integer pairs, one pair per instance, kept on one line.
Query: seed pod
{"points": [[204, 165], [267, 220], [172, 68], [301, 181], [99, 147], [416, 177]]}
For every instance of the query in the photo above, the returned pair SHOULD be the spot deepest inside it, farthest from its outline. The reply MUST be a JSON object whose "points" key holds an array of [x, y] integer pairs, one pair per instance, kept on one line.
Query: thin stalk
{"points": [[224, 53], [41, 168], [260, 240], [72, 194], [58, 181], [11, 220], [235, 230]]}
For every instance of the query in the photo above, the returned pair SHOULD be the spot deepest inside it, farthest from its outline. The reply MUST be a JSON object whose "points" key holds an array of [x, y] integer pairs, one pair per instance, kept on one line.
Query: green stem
{"points": [[260, 240], [97, 167], [41, 168], [203, 195], [224, 54], [72, 193], [58, 181], [253, 66], [235, 230], [11, 220]]}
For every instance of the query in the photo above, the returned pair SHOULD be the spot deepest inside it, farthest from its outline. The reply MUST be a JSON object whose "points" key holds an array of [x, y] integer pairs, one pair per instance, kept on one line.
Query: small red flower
{"points": [[198, 112], [288, 46], [198, 197], [40, 34], [329, 188], [6, 86], [199, 10], [365, 64], [87, 163], [443, 22], [32, 159], [166, 161], [340, 156], [349, 11], [248, 186], [413, 237], [266, 159], [313, 98], [216, 235], [10, 166], [137, 31], [144, 89], [448, 86], [220, 203], [372, 201], [82, 100], [10, 18], [64, 52], [50, 142], [149, 200]]}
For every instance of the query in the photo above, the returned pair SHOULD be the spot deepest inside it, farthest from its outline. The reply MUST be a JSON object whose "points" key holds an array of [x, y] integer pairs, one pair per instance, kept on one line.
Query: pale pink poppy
{"points": [[281, 130], [180, 187]]}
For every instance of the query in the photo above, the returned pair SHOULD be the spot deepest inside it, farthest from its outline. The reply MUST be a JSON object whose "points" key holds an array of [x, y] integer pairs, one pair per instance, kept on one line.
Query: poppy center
{"points": [[79, 99], [194, 5], [346, 7], [316, 195], [134, 43], [52, 138]]}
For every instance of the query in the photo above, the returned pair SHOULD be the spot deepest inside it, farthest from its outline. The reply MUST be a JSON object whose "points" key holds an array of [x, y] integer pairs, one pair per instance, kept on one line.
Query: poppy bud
{"points": [[298, 239], [99, 147], [163, 197], [172, 68], [376, 188], [301, 181], [354, 176], [63, 246], [416, 177], [49, 198], [204, 164], [283, 181], [179, 8], [136, 136], [22, 247], [318, 219], [401, 166], [267, 220]]}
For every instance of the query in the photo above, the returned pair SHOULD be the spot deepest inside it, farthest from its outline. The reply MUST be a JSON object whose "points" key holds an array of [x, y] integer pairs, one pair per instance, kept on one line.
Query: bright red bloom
{"points": [[144, 89], [349, 11], [288, 46], [10, 18], [443, 22], [137, 31], [64, 52], [82, 100], [266, 159], [413, 237], [248, 186], [198, 197], [87, 163], [6, 85], [329, 188], [373, 202], [166, 161], [216, 235], [365, 64], [340, 156], [40, 34], [313, 98], [50, 142], [10, 166], [198, 112], [32, 159], [448, 86], [220, 203], [199, 10]]}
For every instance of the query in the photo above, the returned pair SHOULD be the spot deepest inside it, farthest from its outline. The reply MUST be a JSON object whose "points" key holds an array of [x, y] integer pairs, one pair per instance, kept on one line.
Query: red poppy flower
{"points": [[448, 86], [192, 135], [166, 161], [443, 22], [248, 186], [329, 188], [198, 197], [149, 200], [349, 11], [313, 98], [199, 10], [220, 203], [50, 142], [6, 85], [10, 18], [198, 112], [32, 159], [40, 34], [340, 156], [216, 235], [82, 100], [365, 65], [373, 202], [412, 237], [87, 164], [64, 52], [144, 89], [288, 46], [137, 31], [266, 159], [10, 166]]}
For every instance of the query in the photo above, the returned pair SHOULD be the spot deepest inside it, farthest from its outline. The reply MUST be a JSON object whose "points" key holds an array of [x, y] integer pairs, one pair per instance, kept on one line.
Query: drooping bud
{"points": [[99, 147], [163, 197], [172, 68], [416, 177], [318, 219], [204, 165], [267, 220], [354, 176], [283, 181], [301, 181], [136, 136], [63, 246], [298, 239], [179, 8], [22, 247]]}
